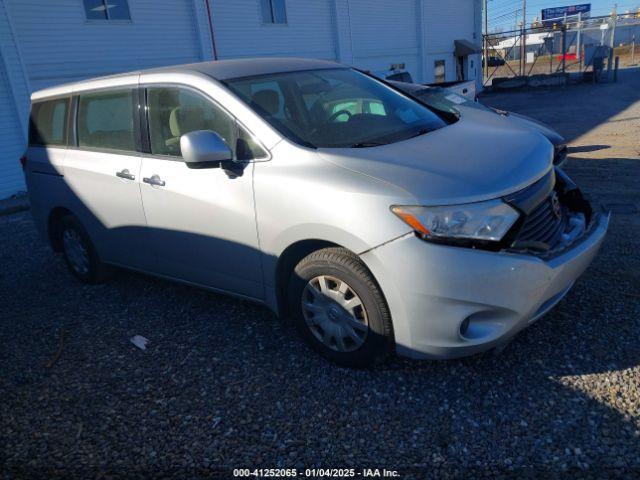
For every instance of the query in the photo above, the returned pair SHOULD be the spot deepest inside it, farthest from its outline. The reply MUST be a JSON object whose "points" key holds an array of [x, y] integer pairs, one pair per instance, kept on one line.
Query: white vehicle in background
{"points": [[466, 88]]}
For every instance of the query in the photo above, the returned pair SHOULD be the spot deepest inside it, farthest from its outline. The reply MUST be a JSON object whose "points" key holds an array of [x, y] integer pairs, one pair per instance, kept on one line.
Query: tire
{"points": [[79, 253], [357, 336]]}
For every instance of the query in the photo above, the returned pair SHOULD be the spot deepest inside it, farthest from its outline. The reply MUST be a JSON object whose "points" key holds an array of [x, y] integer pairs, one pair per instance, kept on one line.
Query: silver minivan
{"points": [[374, 222]]}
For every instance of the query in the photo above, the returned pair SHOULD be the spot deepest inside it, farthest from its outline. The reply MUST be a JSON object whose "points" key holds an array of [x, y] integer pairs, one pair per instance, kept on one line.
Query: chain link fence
{"points": [[589, 49]]}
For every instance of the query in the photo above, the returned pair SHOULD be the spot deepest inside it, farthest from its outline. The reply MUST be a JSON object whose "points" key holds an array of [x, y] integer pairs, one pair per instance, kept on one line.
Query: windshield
{"points": [[335, 108]]}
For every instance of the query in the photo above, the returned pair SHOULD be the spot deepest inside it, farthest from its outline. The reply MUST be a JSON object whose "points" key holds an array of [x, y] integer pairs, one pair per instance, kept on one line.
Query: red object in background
{"points": [[568, 56]]}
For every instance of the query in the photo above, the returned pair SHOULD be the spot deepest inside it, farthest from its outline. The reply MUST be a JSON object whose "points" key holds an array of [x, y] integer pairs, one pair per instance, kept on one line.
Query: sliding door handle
{"points": [[154, 180], [125, 174]]}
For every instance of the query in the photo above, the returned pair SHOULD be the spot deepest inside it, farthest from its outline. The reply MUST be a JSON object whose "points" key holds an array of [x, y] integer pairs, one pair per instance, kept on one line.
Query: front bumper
{"points": [[431, 289]]}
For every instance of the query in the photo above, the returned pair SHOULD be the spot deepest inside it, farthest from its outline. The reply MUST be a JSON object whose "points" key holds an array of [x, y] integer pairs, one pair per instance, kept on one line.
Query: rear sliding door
{"points": [[102, 171]]}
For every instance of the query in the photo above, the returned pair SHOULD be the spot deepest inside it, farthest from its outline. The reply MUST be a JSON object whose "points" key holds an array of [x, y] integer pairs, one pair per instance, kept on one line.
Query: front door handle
{"points": [[154, 180], [125, 174]]}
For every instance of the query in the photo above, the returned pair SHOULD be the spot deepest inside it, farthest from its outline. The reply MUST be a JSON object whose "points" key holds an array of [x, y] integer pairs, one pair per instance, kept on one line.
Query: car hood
{"points": [[480, 157]]}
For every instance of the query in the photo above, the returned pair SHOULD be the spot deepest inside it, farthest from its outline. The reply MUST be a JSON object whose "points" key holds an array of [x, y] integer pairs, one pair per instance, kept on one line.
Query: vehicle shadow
{"points": [[587, 148]]}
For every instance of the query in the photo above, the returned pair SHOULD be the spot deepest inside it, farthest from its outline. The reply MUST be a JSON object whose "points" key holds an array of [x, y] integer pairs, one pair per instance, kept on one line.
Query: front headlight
{"points": [[475, 221]]}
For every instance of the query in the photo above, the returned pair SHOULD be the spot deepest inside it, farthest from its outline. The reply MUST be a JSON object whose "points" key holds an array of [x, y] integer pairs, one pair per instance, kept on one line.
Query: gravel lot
{"points": [[224, 384]]}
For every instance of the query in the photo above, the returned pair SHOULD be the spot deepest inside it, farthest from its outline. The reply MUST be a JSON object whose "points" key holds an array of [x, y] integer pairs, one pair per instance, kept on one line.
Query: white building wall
{"points": [[385, 33], [14, 96], [240, 31], [445, 22], [369, 34], [161, 32], [12, 139]]}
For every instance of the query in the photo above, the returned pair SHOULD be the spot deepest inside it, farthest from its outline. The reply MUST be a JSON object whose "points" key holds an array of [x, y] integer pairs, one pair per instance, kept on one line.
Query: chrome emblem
{"points": [[555, 206]]}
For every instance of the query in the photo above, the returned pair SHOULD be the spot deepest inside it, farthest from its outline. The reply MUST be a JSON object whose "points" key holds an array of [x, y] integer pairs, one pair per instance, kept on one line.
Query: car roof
{"points": [[250, 67], [217, 69]]}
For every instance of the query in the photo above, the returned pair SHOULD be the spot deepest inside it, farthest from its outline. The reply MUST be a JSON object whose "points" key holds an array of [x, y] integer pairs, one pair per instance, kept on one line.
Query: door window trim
{"points": [[146, 141]]}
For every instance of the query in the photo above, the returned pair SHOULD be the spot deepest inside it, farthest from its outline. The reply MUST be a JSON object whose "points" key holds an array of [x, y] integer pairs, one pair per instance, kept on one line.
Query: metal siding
{"points": [[446, 22], [13, 100], [309, 31], [161, 32], [12, 142], [45, 43], [201, 24], [384, 33]]}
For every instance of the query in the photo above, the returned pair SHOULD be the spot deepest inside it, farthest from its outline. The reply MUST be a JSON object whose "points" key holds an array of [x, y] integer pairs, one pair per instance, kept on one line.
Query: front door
{"points": [[201, 222]]}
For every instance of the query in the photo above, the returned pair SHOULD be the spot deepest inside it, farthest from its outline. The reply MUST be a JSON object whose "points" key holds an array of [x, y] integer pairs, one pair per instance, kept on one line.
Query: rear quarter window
{"points": [[48, 123]]}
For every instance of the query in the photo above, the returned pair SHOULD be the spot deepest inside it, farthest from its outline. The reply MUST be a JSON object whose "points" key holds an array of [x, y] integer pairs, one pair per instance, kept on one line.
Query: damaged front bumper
{"points": [[450, 302]]}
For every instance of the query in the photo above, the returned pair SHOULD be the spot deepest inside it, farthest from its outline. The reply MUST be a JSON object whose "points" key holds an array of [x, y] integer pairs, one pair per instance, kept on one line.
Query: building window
{"points": [[107, 9], [274, 11], [439, 71]]}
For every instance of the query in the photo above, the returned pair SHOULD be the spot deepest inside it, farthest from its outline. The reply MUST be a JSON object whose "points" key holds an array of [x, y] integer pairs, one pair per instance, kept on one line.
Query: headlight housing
{"points": [[483, 221]]}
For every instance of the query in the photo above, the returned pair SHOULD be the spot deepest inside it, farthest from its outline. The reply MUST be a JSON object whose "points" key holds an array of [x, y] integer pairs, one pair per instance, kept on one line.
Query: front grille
{"points": [[544, 224]]}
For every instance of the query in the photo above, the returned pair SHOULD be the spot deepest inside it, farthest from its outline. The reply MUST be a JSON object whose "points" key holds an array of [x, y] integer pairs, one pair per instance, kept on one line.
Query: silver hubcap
{"points": [[334, 313], [75, 251]]}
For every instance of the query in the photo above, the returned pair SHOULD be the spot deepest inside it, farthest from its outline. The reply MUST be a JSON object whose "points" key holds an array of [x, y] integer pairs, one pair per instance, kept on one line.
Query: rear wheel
{"points": [[79, 253], [339, 308]]}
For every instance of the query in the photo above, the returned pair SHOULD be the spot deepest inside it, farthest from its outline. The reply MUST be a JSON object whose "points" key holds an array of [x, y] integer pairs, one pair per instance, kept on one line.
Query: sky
{"points": [[502, 13]]}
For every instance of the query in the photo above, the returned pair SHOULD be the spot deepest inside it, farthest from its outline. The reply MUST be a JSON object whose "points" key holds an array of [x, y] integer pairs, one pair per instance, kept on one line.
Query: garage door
{"points": [[12, 143]]}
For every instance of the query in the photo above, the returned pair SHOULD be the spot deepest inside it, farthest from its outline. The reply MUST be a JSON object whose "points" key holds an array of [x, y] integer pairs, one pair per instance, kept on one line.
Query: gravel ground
{"points": [[224, 384]]}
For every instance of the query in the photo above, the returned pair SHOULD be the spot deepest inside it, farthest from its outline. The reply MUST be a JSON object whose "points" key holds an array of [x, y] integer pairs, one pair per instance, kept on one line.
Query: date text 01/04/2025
{"points": [[315, 472]]}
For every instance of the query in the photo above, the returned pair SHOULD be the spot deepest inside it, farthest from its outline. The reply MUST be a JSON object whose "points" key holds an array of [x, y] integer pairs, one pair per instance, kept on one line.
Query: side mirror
{"points": [[204, 149]]}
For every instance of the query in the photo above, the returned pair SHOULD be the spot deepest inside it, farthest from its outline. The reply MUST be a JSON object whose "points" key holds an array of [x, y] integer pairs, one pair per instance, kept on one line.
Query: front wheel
{"points": [[339, 308]]}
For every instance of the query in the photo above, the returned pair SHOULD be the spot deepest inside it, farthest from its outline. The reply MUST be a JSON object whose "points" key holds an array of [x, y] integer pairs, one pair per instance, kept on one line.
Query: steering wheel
{"points": [[313, 131], [338, 113]]}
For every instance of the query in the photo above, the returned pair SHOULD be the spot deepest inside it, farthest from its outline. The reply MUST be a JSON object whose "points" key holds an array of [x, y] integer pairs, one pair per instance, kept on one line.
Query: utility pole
{"points": [[578, 40], [613, 29], [523, 40], [614, 20], [516, 36], [485, 60]]}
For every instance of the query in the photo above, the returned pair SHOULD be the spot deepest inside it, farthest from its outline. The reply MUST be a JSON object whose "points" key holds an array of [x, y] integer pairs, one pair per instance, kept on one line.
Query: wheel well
{"points": [[288, 261], [54, 224]]}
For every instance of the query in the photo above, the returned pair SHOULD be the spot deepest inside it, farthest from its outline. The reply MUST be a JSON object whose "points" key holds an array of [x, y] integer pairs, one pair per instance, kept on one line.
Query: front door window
{"points": [[174, 111]]}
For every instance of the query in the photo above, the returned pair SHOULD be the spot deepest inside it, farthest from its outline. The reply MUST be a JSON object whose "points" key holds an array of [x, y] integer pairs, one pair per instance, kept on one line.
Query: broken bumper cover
{"points": [[450, 302]]}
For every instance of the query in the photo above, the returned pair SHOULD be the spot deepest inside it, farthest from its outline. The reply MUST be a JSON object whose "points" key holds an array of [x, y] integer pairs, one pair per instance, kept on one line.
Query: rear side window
{"points": [[48, 123], [106, 121]]}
